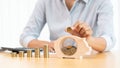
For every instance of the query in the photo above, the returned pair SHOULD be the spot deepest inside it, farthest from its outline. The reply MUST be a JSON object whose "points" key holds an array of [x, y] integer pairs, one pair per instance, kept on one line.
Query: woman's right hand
{"points": [[51, 46]]}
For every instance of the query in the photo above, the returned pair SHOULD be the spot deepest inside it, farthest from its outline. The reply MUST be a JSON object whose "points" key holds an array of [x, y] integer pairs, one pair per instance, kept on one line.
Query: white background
{"points": [[14, 15]]}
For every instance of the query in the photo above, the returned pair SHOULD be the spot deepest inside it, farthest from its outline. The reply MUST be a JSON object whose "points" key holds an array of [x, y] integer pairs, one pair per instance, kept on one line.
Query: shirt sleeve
{"points": [[34, 25], [105, 24]]}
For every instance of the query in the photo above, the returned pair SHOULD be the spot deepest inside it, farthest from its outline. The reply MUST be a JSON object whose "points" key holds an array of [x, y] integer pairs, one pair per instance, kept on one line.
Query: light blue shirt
{"points": [[97, 13]]}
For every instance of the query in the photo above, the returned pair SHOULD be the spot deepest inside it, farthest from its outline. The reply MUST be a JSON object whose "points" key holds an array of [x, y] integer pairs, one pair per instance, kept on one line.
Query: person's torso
{"points": [[59, 17]]}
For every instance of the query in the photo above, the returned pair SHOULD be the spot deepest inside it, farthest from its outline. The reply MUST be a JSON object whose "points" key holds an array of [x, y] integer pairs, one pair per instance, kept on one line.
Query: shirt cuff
{"points": [[108, 42], [26, 41]]}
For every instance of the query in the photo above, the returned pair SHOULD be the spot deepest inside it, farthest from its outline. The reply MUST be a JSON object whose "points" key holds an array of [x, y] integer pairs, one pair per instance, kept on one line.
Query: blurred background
{"points": [[14, 15]]}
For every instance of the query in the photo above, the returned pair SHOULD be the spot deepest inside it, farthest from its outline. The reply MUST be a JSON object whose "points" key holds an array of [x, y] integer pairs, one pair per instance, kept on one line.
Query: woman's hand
{"points": [[81, 29], [51, 46]]}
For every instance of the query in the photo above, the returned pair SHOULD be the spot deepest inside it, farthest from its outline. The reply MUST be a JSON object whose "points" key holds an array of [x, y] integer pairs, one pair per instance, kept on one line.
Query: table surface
{"points": [[100, 60]]}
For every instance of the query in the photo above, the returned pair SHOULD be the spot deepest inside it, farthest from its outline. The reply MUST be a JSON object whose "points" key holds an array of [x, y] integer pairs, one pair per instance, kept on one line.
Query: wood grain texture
{"points": [[100, 60]]}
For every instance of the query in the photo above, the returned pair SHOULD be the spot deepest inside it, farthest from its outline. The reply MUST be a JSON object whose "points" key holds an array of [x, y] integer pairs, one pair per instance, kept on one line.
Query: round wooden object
{"points": [[82, 47]]}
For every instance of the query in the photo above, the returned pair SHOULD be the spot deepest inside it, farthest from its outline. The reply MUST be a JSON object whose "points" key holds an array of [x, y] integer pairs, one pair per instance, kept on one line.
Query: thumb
{"points": [[71, 31]]}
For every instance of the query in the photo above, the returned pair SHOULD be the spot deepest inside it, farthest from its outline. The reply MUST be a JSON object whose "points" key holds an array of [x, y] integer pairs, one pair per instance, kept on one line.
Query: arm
{"points": [[40, 44], [37, 43], [104, 38], [105, 24], [97, 43], [34, 26], [84, 31]]}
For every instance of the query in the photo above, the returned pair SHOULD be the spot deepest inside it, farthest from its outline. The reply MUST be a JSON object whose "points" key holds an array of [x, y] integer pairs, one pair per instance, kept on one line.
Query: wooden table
{"points": [[101, 60]]}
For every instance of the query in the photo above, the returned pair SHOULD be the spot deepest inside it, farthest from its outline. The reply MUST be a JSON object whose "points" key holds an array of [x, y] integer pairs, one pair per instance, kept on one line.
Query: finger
{"points": [[84, 28], [71, 31], [52, 50], [77, 26], [75, 33], [82, 31], [81, 26], [87, 33]]}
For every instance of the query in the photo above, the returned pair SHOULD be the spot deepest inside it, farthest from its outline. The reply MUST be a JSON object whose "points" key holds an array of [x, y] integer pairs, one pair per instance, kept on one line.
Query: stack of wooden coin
{"points": [[69, 50], [37, 52]]}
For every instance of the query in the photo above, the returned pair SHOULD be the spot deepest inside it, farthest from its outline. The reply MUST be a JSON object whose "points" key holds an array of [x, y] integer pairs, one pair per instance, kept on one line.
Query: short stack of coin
{"points": [[37, 52], [21, 53], [46, 51], [29, 53], [14, 54]]}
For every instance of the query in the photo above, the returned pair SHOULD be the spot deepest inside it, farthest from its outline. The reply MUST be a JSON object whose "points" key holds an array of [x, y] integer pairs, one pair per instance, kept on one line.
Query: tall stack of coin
{"points": [[46, 51], [29, 53], [37, 52], [14, 54], [21, 53]]}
